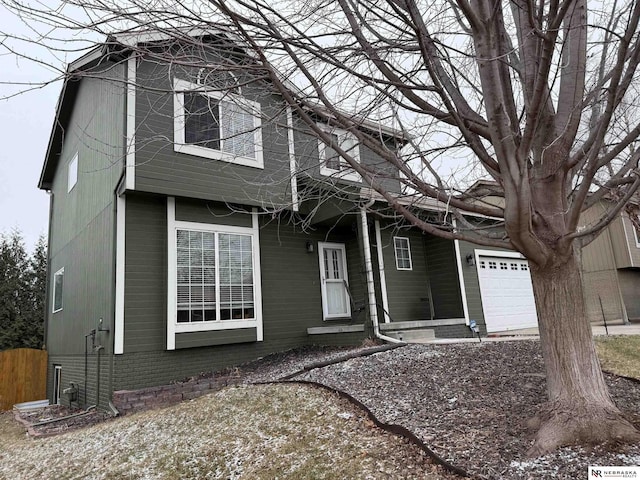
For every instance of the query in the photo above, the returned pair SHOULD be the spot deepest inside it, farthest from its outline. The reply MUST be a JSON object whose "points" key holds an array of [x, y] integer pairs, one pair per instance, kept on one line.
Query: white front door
{"points": [[333, 279]]}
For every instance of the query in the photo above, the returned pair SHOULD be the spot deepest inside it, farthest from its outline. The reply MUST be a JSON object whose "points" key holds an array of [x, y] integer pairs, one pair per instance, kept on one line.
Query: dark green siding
{"points": [[216, 337], [87, 293], [472, 285], [191, 210], [407, 290], [291, 295], [161, 170], [145, 324], [73, 372], [82, 227], [443, 276]]}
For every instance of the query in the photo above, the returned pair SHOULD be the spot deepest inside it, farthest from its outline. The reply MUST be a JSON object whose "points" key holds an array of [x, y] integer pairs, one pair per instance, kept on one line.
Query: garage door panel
{"points": [[507, 293]]}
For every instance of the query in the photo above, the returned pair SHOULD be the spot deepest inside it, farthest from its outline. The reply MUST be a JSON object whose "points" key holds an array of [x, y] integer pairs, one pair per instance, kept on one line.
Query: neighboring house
{"points": [[195, 224], [611, 268]]}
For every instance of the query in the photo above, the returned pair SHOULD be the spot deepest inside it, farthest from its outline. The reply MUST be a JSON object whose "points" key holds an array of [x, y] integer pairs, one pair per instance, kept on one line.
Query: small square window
{"points": [[72, 173], [58, 286], [402, 249], [331, 163]]}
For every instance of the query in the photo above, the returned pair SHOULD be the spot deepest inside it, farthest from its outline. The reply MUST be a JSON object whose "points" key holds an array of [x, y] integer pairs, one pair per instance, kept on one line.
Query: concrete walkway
{"points": [[533, 334]]}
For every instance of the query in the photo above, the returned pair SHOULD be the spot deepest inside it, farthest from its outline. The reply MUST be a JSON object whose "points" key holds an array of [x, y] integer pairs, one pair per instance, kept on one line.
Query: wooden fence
{"points": [[23, 376]]}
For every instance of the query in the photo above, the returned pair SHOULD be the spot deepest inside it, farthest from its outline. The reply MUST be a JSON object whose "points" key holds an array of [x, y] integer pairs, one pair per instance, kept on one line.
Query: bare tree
{"points": [[541, 96]]}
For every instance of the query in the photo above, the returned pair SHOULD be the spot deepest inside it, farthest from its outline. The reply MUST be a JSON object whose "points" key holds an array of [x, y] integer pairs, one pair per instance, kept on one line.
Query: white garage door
{"points": [[507, 294]]}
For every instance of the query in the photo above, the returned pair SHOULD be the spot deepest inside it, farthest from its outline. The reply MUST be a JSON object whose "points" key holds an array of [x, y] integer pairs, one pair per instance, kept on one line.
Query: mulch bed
{"points": [[470, 404]]}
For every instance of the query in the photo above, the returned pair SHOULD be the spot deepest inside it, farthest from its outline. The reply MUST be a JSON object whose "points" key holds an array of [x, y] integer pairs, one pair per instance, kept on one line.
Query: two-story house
{"points": [[196, 223]]}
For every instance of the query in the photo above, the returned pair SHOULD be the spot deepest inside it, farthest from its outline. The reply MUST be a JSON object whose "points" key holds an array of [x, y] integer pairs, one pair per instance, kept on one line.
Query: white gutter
{"points": [[368, 266]]}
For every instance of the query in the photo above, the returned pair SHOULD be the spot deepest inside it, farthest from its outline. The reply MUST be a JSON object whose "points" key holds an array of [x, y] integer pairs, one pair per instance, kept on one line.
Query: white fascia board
{"points": [[118, 347], [425, 203], [130, 157], [133, 39], [91, 56]]}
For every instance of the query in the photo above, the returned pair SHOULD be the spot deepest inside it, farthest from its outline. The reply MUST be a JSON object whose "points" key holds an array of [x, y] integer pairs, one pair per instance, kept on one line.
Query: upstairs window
{"points": [[72, 173], [58, 284], [402, 249], [217, 124], [331, 163]]}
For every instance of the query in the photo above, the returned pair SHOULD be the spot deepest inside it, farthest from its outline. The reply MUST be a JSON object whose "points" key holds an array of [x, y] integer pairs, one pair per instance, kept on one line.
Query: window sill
{"points": [[217, 325], [341, 174], [210, 153], [335, 329]]}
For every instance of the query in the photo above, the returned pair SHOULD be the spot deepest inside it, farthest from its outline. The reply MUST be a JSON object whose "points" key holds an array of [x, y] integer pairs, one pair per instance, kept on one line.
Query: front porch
{"points": [[405, 281]]}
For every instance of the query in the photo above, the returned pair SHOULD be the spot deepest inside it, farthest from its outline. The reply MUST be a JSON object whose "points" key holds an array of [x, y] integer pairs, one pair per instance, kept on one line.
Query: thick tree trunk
{"points": [[579, 410]]}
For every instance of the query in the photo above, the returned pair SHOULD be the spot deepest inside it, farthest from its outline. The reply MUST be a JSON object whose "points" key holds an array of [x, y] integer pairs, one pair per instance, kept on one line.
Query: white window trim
{"points": [[395, 252], [352, 147], [118, 328], [57, 382], [635, 234], [130, 141], [72, 173], [383, 277], [325, 307], [53, 298], [179, 145], [173, 327]]}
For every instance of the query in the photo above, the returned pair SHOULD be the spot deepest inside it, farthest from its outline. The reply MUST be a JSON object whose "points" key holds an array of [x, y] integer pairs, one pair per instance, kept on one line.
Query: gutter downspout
{"points": [[368, 266]]}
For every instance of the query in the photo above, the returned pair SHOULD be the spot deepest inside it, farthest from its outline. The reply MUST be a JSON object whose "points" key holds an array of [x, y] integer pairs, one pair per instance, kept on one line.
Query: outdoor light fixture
{"points": [[309, 247], [471, 261]]}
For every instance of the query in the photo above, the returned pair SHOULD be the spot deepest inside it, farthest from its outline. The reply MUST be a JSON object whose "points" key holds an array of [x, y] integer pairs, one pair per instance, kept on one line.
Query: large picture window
{"points": [[215, 276], [217, 124]]}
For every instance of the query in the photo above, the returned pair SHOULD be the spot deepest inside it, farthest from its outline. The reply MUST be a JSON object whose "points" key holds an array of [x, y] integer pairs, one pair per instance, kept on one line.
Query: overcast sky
{"points": [[25, 124]]}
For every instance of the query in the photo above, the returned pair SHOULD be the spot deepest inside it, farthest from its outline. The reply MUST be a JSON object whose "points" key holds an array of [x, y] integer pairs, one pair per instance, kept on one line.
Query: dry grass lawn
{"points": [[257, 432], [620, 354]]}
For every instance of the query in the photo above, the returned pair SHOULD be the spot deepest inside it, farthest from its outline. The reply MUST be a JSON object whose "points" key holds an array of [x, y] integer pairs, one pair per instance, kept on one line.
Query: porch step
{"points": [[413, 336]]}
